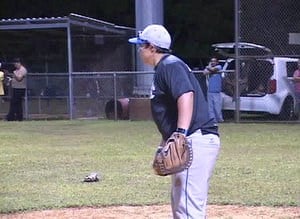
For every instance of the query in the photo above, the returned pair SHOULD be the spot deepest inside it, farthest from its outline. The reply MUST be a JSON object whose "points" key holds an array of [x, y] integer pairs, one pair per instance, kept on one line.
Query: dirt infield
{"points": [[161, 212]]}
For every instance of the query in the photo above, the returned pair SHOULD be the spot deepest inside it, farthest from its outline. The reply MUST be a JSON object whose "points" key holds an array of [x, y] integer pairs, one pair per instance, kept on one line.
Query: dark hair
{"points": [[146, 44], [158, 49], [16, 60], [162, 50]]}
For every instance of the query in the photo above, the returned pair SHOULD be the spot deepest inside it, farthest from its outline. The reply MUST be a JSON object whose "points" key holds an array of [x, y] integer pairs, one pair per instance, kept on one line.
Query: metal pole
{"points": [[115, 98], [70, 69], [26, 100], [237, 61], [146, 12]]}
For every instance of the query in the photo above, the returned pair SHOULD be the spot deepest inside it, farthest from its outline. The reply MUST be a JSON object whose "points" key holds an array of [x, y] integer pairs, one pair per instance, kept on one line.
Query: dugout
{"points": [[54, 49]]}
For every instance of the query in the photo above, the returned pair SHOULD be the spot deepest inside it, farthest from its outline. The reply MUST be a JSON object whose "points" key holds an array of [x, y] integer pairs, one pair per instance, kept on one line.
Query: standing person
{"points": [[1, 81], [179, 105], [18, 84], [213, 72], [296, 78], [2, 91]]}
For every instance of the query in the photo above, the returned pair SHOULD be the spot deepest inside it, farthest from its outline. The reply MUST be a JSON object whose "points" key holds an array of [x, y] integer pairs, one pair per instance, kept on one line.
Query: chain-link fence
{"points": [[115, 95], [112, 96], [93, 95], [268, 35], [271, 23]]}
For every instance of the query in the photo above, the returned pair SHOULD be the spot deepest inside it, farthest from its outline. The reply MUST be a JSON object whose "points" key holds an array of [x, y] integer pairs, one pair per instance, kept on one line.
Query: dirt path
{"points": [[159, 212]]}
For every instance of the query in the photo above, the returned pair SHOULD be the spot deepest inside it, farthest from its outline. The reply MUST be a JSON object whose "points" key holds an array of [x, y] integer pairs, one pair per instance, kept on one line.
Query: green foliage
{"points": [[194, 24], [43, 163]]}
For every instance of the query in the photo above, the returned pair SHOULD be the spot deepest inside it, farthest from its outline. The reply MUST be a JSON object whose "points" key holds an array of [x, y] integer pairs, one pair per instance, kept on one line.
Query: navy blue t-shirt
{"points": [[172, 79], [215, 81]]}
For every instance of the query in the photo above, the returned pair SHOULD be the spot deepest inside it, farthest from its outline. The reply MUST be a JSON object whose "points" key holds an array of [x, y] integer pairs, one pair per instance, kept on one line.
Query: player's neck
{"points": [[158, 57]]}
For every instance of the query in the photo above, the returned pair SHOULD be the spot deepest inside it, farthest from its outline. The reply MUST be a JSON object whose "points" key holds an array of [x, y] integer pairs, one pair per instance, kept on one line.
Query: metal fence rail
{"points": [[94, 94], [116, 95]]}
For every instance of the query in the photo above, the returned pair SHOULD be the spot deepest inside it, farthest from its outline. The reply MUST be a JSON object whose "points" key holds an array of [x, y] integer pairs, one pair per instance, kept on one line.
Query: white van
{"points": [[265, 81]]}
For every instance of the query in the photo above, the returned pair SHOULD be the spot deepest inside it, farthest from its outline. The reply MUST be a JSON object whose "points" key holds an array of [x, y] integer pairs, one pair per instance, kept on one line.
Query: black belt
{"points": [[210, 130]]}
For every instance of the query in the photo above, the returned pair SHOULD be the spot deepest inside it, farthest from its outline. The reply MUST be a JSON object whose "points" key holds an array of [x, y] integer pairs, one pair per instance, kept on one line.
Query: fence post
{"points": [[237, 61], [26, 102], [70, 71], [115, 96]]}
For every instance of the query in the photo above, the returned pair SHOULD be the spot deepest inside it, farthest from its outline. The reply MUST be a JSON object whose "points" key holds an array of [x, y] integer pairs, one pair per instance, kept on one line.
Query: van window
{"points": [[261, 72], [291, 67], [254, 77], [229, 78]]}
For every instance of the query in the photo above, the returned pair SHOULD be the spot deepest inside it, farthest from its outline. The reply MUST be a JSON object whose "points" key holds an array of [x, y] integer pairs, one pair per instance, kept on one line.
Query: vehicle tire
{"points": [[287, 110]]}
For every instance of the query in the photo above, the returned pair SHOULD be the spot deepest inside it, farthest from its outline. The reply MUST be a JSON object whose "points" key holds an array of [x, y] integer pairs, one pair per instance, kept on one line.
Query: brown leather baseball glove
{"points": [[175, 156]]}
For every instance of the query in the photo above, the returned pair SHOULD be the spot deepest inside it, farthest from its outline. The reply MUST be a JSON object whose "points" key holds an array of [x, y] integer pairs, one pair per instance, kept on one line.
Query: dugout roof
{"points": [[54, 39], [81, 23], [64, 46]]}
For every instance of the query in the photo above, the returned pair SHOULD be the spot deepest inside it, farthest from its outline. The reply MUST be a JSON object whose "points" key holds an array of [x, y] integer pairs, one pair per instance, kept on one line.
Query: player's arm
{"points": [[296, 78], [185, 110], [19, 75], [213, 70]]}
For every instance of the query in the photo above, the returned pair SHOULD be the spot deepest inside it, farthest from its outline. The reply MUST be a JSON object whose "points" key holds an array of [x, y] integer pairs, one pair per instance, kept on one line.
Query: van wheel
{"points": [[287, 110]]}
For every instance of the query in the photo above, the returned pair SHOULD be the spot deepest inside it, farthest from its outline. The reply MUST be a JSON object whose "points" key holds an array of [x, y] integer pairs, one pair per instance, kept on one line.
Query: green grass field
{"points": [[43, 163]]}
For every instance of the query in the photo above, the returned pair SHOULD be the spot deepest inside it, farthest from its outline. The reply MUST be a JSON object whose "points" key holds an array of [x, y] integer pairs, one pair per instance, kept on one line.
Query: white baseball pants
{"points": [[190, 187]]}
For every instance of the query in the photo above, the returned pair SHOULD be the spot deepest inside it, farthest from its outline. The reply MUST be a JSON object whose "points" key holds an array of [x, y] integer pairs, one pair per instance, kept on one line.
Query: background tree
{"points": [[194, 24]]}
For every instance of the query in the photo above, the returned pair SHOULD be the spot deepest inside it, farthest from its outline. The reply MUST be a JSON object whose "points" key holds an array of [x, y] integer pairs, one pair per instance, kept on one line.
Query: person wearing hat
{"points": [[179, 105], [18, 84]]}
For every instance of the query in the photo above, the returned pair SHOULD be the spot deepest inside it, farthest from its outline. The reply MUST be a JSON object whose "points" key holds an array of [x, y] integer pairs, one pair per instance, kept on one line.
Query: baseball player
{"points": [[179, 105]]}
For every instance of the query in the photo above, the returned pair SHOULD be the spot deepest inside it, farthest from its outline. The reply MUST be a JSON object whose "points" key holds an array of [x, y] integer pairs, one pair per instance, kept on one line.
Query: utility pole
{"points": [[146, 12]]}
